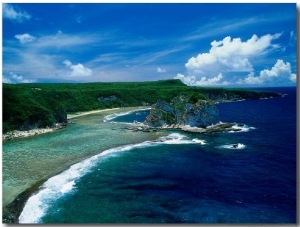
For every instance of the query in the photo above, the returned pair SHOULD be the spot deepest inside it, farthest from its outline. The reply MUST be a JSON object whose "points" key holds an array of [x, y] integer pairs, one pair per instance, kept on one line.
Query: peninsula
{"points": [[46, 105], [187, 113]]}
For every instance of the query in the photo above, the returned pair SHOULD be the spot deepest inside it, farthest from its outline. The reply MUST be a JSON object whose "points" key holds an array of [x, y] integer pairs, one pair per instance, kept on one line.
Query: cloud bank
{"points": [[204, 81], [235, 56], [231, 54], [14, 78], [279, 73]]}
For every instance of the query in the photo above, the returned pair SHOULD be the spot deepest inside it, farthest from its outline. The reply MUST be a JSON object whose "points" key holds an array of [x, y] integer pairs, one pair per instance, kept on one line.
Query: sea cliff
{"points": [[180, 112], [187, 114]]}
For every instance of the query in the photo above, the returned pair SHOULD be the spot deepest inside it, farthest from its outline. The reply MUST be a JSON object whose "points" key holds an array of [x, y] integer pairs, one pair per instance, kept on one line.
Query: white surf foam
{"points": [[177, 138], [65, 182], [115, 115], [234, 146], [244, 128], [199, 141]]}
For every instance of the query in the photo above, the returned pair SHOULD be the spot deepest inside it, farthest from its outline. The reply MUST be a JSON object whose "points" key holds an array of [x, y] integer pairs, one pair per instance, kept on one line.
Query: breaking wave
{"points": [[241, 128], [233, 146], [115, 115], [65, 182]]}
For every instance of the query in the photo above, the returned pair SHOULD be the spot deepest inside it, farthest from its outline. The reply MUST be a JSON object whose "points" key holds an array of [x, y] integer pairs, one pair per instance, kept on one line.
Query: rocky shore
{"points": [[182, 110], [37, 131], [32, 132], [219, 127], [188, 114]]}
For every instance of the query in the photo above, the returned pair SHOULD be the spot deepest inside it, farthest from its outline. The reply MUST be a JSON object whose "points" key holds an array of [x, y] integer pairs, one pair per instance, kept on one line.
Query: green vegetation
{"points": [[27, 106]]}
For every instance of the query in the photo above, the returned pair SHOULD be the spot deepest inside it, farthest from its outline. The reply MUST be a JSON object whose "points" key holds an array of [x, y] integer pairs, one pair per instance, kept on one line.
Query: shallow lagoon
{"points": [[29, 160]]}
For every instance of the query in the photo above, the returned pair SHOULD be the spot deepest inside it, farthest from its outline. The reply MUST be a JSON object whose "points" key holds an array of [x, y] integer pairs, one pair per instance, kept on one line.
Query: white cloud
{"points": [[25, 38], [65, 41], [6, 80], [204, 81], [188, 80], [15, 78], [78, 70], [13, 13], [43, 57], [211, 81], [251, 79], [161, 70], [67, 63], [235, 56], [293, 77], [231, 54], [279, 74]]}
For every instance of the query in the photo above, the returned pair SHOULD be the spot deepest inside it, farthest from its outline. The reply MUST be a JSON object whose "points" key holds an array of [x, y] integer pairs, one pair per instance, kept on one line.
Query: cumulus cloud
{"points": [[188, 80], [25, 38], [233, 57], [77, 70], [280, 73], [161, 70], [231, 54], [204, 81], [211, 81], [293, 77], [13, 13], [15, 78]]}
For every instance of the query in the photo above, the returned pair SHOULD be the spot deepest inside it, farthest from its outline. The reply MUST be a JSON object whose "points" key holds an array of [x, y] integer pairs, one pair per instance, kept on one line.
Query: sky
{"points": [[202, 44]]}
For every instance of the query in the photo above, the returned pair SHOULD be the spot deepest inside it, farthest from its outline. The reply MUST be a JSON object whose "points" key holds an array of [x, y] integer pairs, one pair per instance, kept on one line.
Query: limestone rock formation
{"points": [[181, 112]]}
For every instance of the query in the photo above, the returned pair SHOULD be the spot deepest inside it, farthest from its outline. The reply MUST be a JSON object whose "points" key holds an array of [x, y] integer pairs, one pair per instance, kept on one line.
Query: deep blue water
{"points": [[183, 181]]}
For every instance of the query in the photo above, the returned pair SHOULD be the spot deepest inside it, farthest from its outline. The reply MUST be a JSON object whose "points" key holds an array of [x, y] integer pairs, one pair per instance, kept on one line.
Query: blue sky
{"points": [[213, 44]]}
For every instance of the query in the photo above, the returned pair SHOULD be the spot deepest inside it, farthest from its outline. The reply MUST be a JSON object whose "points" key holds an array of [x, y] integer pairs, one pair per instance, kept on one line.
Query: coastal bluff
{"points": [[185, 114], [43, 105], [181, 112]]}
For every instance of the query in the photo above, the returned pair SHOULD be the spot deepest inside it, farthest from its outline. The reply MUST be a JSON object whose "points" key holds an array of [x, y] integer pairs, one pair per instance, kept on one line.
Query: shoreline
{"points": [[79, 114], [219, 127], [12, 210], [16, 134]]}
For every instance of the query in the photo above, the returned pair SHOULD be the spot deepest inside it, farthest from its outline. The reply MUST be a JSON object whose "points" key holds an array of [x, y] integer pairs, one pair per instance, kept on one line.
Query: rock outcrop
{"points": [[219, 127], [181, 112]]}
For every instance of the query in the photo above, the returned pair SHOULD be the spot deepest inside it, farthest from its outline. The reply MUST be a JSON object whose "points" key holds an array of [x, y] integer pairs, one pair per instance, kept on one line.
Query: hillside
{"points": [[27, 106]]}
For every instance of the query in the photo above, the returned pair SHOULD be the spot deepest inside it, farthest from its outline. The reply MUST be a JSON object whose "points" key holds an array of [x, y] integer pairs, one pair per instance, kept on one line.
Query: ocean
{"points": [[183, 177]]}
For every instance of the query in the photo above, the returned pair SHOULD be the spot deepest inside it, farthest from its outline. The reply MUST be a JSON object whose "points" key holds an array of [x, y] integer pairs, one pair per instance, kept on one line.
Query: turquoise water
{"points": [[28, 160], [185, 178]]}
